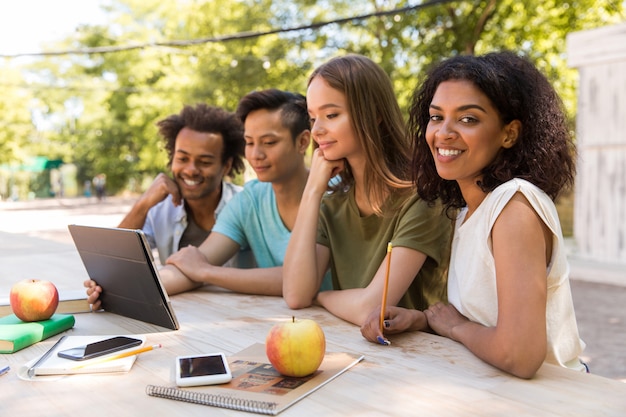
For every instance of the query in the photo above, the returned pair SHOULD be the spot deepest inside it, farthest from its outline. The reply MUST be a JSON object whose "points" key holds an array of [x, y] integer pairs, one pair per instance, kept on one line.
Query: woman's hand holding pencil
{"points": [[383, 305], [391, 319]]}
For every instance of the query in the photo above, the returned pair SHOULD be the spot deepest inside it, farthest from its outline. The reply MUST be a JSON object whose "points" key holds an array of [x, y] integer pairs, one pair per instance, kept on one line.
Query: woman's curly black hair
{"points": [[544, 153]]}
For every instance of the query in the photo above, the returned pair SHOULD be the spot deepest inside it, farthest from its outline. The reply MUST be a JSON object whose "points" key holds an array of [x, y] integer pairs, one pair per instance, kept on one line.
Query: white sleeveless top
{"points": [[472, 273]]}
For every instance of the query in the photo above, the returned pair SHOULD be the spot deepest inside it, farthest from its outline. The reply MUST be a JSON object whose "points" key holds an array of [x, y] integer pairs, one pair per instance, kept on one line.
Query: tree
{"points": [[100, 109], [16, 127]]}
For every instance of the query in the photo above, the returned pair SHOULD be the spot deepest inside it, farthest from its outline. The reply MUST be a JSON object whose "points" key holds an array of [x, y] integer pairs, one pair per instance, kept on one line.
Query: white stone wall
{"points": [[600, 195]]}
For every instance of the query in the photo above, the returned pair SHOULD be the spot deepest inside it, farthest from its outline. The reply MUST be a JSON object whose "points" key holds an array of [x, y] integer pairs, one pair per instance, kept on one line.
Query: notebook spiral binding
{"points": [[223, 401]]}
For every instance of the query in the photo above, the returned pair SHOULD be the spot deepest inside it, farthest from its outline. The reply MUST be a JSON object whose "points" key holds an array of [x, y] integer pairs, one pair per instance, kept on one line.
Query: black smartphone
{"points": [[103, 347]]}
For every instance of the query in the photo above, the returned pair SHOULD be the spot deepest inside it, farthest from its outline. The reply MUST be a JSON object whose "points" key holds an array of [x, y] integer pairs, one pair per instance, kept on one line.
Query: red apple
{"points": [[34, 300], [296, 347]]}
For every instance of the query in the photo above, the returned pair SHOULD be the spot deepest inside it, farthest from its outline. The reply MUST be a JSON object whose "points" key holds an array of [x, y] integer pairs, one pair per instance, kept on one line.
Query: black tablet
{"points": [[121, 262]]}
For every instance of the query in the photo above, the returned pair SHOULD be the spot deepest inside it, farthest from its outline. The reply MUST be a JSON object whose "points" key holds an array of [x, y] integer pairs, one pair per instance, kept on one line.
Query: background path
{"points": [[599, 291]]}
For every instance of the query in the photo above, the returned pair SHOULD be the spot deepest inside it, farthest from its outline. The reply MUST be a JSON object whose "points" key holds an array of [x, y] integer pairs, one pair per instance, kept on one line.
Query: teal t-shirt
{"points": [[251, 219]]}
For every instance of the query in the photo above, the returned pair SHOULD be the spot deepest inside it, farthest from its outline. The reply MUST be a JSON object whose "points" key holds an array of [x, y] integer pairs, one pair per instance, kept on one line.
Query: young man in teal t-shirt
{"points": [[277, 135]]}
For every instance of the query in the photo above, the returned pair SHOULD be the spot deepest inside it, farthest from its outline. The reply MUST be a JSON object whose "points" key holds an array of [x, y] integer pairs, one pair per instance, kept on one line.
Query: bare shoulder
{"points": [[518, 212], [520, 226]]}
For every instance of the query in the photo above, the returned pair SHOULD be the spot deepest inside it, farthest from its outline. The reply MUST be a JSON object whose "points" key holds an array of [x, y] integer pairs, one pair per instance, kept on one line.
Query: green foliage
{"points": [[99, 110], [16, 128]]}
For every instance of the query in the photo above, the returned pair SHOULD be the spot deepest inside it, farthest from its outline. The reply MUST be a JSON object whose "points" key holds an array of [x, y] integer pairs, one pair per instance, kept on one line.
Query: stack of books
{"points": [[16, 334]]}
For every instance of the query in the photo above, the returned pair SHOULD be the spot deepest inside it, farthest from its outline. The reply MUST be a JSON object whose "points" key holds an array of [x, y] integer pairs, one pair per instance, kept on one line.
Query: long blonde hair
{"points": [[377, 120]]}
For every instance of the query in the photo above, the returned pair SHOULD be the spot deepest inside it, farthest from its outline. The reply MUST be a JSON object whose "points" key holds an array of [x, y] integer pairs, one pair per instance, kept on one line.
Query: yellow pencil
{"points": [[119, 356], [384, 302]]}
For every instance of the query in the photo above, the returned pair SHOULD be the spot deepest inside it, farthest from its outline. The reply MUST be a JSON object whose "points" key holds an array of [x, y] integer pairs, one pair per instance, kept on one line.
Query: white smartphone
{"points": [[207, 369]]}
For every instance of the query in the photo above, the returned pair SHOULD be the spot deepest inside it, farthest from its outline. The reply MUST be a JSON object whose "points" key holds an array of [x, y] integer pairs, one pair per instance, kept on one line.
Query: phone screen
{"points": [[100, 348], [201, 366]]}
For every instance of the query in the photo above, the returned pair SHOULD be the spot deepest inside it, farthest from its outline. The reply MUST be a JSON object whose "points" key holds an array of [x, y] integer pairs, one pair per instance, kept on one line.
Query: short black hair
{"points": [[294, 114]]}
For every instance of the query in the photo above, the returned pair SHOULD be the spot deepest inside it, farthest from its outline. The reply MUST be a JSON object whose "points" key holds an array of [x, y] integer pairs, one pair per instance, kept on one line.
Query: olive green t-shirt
{"points": [[358, 245]]}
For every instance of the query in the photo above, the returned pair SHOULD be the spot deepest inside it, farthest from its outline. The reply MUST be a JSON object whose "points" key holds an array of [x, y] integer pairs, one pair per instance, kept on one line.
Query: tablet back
{"points": [[121, 262]]}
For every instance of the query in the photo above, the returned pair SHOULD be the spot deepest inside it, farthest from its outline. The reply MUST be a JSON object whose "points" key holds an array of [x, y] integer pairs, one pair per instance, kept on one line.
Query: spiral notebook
{"points": [[256, 386]]}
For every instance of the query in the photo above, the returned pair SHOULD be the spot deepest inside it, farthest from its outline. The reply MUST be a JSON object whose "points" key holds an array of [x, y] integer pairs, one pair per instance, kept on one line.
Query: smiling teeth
{"points": [[190, 182], [449, 152]]}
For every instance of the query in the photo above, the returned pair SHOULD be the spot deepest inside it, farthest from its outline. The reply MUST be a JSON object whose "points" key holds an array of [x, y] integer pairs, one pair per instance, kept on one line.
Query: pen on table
{"points": [[5, 370], [119, 356], [383, 306], [31, 370]]}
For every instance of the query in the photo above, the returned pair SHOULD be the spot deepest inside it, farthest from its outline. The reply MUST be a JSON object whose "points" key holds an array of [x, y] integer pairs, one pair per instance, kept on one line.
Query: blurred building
{"points": [[600, 195], [37, 177]]}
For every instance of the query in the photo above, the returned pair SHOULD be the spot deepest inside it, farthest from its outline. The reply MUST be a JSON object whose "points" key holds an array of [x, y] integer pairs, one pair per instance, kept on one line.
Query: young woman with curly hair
{"points": [[491, 140]]}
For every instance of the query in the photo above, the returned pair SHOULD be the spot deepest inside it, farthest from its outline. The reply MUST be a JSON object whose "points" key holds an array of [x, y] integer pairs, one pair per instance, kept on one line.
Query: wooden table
{"points": [[419, 374]]}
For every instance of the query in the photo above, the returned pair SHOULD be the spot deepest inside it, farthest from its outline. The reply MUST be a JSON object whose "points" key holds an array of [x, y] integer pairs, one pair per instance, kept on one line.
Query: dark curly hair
{"points": [[207, 119], [294, 115], [544, 152]]}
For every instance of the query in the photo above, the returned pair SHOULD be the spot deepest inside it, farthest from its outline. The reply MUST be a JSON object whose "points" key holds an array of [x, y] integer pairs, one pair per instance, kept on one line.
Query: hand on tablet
{"points": [[93, 294]]}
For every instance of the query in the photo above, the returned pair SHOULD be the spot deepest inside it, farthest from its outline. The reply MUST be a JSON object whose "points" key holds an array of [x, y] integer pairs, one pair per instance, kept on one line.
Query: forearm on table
{"points": [[355, 304], [260, 281], [175, 281], [519, 357], [351, 305]]}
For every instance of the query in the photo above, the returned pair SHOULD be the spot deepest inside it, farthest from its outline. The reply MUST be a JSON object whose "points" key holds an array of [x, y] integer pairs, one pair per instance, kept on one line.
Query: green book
{"points": [[16, 334]]}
